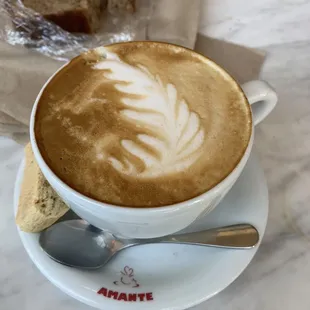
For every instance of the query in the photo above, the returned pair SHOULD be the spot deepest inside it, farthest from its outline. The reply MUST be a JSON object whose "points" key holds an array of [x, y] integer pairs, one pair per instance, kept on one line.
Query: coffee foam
{"points": [[175, 136], [142, 124]]}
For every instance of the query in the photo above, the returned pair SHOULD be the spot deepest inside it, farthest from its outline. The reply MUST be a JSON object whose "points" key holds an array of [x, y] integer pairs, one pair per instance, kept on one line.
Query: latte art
{"points": [[173, 135], [142, 124]]}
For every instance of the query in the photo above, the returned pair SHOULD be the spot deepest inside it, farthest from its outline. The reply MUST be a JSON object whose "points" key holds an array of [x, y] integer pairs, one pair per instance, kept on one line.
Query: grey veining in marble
{"points": [[279, 276], [256, 23]]}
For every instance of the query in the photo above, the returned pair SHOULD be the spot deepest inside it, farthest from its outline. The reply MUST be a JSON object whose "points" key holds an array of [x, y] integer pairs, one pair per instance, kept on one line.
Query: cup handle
{"points": [[261, 97]]}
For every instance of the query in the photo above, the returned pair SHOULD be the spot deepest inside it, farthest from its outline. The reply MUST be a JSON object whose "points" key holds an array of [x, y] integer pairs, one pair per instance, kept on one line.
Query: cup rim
{"points": [[166, 208]]}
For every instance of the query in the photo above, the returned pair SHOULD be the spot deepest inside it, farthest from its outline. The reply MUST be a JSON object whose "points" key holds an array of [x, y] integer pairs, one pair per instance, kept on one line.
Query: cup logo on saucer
{"points": [[127, 278], [171, 135]]}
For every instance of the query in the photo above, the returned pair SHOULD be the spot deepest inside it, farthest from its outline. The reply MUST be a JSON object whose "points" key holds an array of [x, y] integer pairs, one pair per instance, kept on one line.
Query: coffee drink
{"points": [[142, 124]]}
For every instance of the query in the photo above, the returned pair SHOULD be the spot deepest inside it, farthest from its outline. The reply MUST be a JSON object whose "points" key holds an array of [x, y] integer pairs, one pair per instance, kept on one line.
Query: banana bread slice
{"points": [[72, 15]]}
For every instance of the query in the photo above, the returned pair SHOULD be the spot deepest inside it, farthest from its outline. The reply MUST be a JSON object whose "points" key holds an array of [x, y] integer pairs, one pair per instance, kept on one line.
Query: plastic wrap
{"points": [[24, 27]]}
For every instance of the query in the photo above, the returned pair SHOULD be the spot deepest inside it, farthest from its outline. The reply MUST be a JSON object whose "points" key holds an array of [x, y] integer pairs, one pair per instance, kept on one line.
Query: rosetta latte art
{"points": [[173, 136]]}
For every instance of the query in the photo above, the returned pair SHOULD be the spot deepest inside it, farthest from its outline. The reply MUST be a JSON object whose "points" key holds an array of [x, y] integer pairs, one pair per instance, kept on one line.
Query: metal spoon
{"points": [[77, 244]]}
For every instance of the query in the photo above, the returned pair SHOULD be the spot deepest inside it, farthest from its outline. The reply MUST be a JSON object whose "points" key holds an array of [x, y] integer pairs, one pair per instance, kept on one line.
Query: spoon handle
{"points": [[241, 236]]}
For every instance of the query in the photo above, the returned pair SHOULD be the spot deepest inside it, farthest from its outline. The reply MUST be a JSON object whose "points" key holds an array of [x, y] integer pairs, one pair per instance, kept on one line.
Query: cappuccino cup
{"points": [[143, 138]]}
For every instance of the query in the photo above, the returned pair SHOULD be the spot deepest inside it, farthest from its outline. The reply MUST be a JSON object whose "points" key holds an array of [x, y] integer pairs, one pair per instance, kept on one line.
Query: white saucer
{"points": [[165, 276]]}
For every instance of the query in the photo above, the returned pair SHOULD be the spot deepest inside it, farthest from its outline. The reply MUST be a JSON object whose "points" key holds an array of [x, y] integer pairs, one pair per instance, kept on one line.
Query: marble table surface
{"points": [[279, 275]]}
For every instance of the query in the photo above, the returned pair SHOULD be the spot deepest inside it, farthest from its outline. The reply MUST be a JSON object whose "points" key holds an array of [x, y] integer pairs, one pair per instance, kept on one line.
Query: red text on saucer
{"points": [[133, 297]]}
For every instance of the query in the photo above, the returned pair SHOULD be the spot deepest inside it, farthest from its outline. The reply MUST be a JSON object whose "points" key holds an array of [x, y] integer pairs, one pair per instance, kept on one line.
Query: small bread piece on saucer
{"points": [[39, 206]]}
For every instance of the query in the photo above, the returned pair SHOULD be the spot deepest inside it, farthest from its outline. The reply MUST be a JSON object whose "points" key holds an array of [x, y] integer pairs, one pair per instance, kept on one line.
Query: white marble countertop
{"points": [[279, 275]]}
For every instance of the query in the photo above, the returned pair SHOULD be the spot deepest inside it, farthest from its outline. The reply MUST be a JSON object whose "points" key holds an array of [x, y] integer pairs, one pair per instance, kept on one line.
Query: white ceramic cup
{"points": [[159, 221]]}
